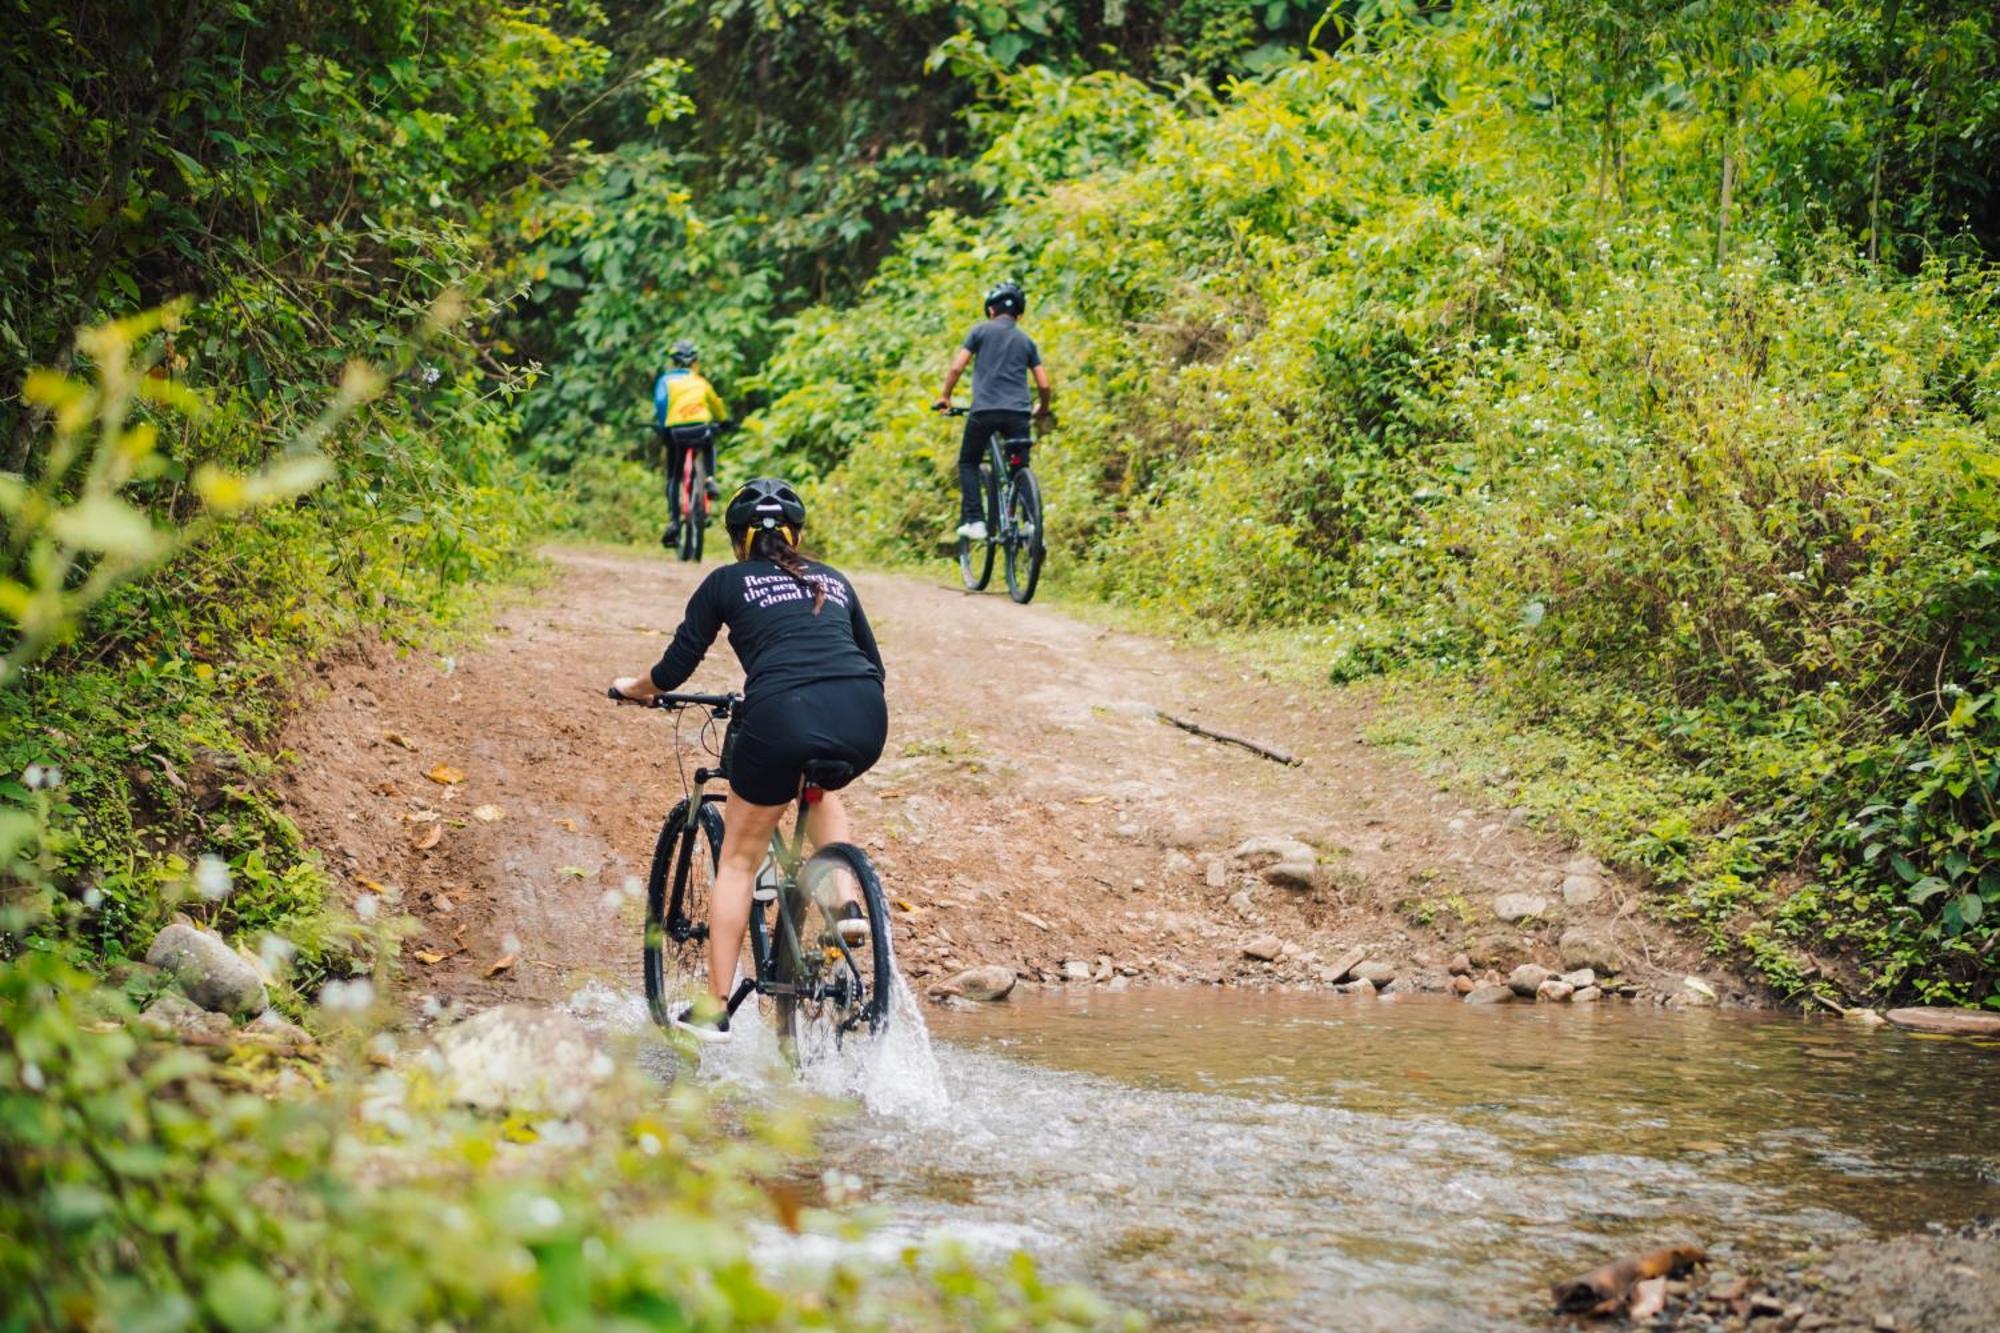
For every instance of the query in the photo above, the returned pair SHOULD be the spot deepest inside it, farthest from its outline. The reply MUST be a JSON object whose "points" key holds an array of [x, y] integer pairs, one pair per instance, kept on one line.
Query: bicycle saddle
{"points": [[827, 773]]}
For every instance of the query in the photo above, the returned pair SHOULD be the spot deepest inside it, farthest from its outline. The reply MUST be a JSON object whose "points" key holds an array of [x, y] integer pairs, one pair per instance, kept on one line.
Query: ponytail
{"points": [[778, 546]]}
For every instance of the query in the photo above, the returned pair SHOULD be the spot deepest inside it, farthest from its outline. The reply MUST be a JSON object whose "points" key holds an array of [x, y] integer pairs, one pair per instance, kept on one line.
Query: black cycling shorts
{"points": [[773, 737]]}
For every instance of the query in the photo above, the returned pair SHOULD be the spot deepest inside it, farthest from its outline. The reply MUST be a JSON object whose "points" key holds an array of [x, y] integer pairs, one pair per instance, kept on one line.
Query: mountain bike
{"points": [[687, 494], [819, 989], [1013, 518]]}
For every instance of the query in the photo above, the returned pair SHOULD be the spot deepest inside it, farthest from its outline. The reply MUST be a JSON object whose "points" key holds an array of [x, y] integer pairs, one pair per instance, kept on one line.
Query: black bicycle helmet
{"points": [[766, 502], [685, 353], [1008, 299]]}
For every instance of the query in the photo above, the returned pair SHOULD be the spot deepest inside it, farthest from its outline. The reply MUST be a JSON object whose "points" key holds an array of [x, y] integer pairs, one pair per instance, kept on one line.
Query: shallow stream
{"points": [[1222, 1156]]}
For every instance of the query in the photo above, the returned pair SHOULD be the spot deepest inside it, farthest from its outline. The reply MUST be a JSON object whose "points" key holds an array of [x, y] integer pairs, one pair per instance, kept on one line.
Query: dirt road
{"points": [[1030, 808]]}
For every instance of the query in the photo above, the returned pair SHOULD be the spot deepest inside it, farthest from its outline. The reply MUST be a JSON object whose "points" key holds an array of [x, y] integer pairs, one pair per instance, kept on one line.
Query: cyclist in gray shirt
{"points": [[1003, 359]]}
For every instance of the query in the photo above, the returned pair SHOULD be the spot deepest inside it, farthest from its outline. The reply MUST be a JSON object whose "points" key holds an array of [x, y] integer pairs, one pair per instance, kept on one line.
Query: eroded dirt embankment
{"points": [[1030, 810]]}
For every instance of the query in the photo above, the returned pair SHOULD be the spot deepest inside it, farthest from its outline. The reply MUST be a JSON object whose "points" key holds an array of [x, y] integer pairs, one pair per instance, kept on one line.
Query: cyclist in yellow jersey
{"points": [[685, 410]]}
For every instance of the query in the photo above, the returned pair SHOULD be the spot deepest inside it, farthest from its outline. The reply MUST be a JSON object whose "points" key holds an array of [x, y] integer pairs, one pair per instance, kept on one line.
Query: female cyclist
{"points": [[812, 690]]}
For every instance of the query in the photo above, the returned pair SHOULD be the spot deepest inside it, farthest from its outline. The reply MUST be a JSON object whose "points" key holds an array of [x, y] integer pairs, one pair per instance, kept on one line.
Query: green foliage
{"points": [[1542, 345]]}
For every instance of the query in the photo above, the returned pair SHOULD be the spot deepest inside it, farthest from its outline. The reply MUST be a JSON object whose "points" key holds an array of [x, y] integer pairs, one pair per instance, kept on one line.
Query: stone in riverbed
{"points": [[209, 971], [1285, 862], [1462, 984], [1580, 978], [1489, 995], [1697, 993], [1337, 971], [1075, 969], [1554, 991], [1586, 995], [1461, 965], [988, 983], [1263, 948], [1527, 979], [1377, 971], [1580, 889], [1519, 906], [1359, 986], [1951, 1022], [1584, 948]]}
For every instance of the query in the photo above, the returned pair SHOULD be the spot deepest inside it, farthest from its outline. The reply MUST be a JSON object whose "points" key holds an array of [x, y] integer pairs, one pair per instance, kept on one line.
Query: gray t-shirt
{"points": [[1002, 358]]}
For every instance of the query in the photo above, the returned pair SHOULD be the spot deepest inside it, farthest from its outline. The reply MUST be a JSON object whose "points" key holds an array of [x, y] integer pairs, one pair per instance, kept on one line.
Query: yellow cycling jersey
{"points": [[690, 400]]}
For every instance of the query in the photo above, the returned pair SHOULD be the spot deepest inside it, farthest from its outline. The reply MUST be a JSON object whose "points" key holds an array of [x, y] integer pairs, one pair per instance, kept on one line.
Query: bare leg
{"points": [[827, 822], [746, 837]]}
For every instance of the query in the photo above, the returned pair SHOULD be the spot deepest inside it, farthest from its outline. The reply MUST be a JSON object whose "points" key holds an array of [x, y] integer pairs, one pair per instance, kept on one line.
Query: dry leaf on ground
{"points": [[499, 965], [429, 956], [398, 738], [445, 775], [575, 872], [488, 814], [566, 825], [429, 838]]}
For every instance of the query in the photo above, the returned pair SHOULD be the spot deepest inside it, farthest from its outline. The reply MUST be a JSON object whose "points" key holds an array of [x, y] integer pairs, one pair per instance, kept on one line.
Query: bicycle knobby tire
{"points": [[677, 889]]}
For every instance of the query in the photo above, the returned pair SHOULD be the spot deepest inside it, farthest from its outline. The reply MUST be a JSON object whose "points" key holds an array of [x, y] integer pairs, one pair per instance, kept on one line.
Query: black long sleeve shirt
{"points": [[773, 630]]}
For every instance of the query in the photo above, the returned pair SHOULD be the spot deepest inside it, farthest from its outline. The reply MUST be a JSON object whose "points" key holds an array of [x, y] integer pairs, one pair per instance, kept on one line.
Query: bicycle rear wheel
{"points": [[698, 509], [842, 988], [677, 921], [975, 559], [1024, 538]]}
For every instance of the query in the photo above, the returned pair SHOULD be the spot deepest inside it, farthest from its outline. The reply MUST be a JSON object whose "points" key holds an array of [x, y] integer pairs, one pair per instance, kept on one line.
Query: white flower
{"points": [[31, 1077], [649, 1144], [347, 997], [276, 951], [93, 898], [365, 906], [544, 1212], [211, 877]]}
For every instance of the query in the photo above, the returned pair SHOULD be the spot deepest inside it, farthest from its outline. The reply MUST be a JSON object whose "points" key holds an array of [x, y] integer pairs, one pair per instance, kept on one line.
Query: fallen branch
{"points": [[1607, 1290], [1255, 747]]}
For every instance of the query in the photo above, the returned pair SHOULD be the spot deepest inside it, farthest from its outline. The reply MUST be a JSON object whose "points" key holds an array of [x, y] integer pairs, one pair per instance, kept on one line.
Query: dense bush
{"points": [[1611, 358]]}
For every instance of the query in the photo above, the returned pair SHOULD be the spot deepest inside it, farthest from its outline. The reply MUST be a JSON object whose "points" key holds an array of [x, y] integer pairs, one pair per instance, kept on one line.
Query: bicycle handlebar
{"points": [[671, 699], [952, 411]]}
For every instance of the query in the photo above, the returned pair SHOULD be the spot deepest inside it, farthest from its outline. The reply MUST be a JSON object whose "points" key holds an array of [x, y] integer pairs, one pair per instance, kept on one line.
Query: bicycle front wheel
{"points": [[845, 971], [1024, 537], [975, 559], [677, 891]]}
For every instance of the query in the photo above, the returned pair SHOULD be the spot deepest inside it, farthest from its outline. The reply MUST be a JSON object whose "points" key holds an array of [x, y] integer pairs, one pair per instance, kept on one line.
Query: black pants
{"points": [[979, 428], [772, 737], [679, 440]]}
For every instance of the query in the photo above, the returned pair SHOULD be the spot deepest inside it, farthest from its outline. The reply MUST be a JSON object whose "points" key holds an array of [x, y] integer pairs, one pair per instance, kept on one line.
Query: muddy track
{"points": [[1030, 810]]}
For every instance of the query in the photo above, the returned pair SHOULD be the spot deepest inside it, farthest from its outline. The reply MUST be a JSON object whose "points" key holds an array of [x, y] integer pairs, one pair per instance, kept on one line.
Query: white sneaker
{"points": [[709, 1028], [974, 531], [852, 925]]}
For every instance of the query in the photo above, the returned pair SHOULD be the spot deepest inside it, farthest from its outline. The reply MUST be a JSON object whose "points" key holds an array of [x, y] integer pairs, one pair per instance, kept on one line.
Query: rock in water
{"points": [[1075, 969], [1359, 986], [1582, 948], [1580, 978], [1461, 965], [521, 1058], [1527, 979], [177, 1016], [1697, 992], [1554, 990], [989, 983], [1586, 995], [1519, 906], [1953, 1022], [1263, 948], [1489, 995], [209, 971]]}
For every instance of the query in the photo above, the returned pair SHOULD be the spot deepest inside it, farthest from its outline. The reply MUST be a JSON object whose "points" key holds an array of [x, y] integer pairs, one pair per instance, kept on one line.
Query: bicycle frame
{"points": [[788, 856]]}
